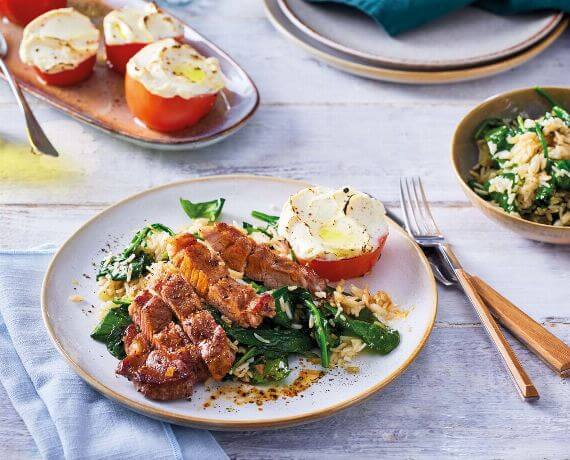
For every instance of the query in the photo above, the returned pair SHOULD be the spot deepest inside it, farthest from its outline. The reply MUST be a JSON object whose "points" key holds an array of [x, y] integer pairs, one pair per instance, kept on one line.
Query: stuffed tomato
{"points": [[338, 233], [128, 30], [169, 86], [22, 12], [61, 45]]}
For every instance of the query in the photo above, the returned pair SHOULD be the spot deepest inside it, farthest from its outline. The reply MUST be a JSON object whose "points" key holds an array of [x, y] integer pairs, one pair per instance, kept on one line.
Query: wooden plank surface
{"points": [[322, 125]]}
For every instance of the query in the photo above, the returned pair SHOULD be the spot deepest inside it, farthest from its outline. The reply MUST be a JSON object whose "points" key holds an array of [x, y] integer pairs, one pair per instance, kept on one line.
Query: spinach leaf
{"points": [[162, 228], [502, 198], [378, 336], [283, 297], [543, 143], [132, 259], [257, 287], [271, 220], [561, 174], [112, 327], [247, 355], [487, 125], [498, 136], [266, 339], [557, 110], [322, 332], [208, 209], [251, 229], [480, 189], [543, 195], [269, 370], [562, 114]]}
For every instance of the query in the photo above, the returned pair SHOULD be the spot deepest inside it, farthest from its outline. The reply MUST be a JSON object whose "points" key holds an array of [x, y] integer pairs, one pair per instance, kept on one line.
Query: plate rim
{"points": [[212, 423], [409, 64], [171, 144], [413, 77]]}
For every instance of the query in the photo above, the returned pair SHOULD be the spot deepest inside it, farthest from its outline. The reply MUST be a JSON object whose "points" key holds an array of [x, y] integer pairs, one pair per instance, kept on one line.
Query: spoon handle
{"points": [[39, 141]]}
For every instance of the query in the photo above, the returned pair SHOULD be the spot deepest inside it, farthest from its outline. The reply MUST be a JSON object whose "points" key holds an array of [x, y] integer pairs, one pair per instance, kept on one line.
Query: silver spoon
{"points": [[38, 140]]}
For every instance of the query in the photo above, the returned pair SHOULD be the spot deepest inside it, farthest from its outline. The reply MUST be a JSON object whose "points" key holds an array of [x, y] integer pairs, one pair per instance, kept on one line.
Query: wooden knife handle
{"points": [[540, 341], [522, 381]]}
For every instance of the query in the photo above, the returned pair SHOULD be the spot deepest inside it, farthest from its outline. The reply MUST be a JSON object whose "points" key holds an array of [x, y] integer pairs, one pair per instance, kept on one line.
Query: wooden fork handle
{"points": [[522, 381], [540, 341]]}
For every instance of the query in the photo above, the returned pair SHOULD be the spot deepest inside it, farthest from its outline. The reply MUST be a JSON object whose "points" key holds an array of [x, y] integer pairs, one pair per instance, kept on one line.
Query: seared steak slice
{"points": [[209, 276], [212, 342], [232, 245], [150, 314], [257, 261], [171, 338], [165, 375], [168, 372], [178, 294], [135, 343], [199, 324], [137, 304]]}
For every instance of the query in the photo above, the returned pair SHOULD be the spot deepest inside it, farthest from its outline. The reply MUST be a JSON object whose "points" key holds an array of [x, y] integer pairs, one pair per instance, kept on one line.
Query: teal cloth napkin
{"points": [[397, 16], [65, 416]]}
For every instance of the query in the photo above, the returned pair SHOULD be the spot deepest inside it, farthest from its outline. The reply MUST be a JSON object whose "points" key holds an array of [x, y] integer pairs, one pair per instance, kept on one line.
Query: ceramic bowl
{"points": [[464, 155]]}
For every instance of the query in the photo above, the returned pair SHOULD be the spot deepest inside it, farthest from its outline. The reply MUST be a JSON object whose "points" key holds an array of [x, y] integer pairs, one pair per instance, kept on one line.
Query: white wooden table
{"points": [[327, 127]]}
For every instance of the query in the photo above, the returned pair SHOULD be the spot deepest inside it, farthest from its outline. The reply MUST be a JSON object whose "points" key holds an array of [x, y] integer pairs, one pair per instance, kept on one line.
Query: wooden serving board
{"points": [[100, 100]]}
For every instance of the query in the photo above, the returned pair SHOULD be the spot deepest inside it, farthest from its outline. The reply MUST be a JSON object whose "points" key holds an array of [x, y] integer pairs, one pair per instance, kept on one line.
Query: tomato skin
{"points": [[352, 267], [69, 77], [22, 12], [166, 114], [119, 55]]}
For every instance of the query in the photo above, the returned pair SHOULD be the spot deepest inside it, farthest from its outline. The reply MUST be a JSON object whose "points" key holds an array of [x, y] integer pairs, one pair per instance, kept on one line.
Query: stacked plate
{"points": [[468, 44]]}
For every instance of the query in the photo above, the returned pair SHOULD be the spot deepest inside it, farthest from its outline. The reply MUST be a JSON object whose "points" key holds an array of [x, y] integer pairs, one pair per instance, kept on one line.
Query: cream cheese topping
{"points": [[59, 40], [167, 68], [140, 25], [319, 222]]}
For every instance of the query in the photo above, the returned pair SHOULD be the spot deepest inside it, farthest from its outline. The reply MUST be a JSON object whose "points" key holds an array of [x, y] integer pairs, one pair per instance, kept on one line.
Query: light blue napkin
{"points": [[65, 416], [397, 16]]}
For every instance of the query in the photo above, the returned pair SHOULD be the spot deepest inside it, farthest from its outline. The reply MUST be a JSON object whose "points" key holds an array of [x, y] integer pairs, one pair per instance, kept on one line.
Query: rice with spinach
{"points": [[524, 165]]}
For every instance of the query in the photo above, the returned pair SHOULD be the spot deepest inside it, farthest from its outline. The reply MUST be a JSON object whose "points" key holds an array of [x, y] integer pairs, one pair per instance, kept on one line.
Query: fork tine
{"points": [[406, 209], [425, 219], [416, 209], [429, 215]]}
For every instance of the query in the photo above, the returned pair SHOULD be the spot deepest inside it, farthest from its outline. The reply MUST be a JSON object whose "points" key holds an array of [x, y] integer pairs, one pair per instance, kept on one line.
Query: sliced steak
{"points": [[165, 375], [199, 324], [212, 342], [178, 294], [150, 314], [209, 276], [171, 338], [232, 245], [257, 261], [170, 370]]}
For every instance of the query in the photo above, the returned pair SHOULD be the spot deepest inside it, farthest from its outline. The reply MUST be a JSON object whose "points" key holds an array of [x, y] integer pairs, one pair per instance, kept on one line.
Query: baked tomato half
{"points": [[166, 114], [69, 77], [352, 267], [119, 55], [22, 12]]}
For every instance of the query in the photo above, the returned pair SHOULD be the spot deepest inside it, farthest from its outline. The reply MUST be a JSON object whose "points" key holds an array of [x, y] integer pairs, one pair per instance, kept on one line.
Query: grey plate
{"points": [[465, 38], [100, 101], [368, 69]]}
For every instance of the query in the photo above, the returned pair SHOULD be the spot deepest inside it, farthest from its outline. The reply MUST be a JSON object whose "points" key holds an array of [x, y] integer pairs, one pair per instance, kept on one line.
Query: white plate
{"points": [[467, 37], [368, 69], [402, 271]]}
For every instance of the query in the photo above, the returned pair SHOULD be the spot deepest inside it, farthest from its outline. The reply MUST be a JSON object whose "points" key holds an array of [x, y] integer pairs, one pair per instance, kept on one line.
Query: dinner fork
{"points": [[38, 139], [534, 335], [421, 225]]}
